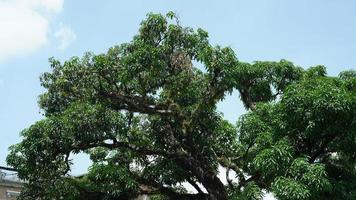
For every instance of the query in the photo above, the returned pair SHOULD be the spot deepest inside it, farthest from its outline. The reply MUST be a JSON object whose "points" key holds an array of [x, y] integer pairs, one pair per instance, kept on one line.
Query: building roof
{"points": [[9, 175]]}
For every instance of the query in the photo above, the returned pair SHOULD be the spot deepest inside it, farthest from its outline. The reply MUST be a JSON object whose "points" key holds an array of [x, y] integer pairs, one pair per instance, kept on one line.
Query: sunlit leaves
{"points": [[289, 189], [274, 161], [312, 175]]}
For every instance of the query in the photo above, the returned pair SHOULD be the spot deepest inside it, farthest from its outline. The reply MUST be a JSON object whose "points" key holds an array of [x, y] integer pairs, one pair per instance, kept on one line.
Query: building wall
{"points": [[8, 190]]}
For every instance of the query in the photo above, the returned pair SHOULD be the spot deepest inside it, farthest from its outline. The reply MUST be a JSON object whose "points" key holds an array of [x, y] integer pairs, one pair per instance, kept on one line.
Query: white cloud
{"points": [[65, 35], [24, 25]]}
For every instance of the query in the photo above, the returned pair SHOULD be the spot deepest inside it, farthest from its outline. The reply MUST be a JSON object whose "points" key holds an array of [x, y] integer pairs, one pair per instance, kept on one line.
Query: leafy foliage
{"points": [[147, 117]]}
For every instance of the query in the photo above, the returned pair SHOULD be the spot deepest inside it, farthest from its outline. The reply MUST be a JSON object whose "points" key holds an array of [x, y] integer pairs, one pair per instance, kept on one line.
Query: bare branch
{"points": [[195, 185]]}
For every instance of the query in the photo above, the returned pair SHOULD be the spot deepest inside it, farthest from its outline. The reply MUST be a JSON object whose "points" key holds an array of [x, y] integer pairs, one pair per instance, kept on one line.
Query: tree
{"points": [[148, 119]]}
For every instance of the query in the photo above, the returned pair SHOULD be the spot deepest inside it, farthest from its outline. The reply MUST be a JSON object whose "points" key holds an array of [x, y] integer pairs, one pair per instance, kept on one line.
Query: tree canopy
{"points": [[148, 118]]}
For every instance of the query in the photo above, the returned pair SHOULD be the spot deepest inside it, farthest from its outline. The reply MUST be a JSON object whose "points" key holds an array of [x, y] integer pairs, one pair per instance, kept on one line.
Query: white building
{"points": [[10, 185]]}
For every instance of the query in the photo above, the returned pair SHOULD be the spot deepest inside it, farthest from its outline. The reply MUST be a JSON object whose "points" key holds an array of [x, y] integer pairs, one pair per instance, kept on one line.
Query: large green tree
{"points": [[148, 118]]}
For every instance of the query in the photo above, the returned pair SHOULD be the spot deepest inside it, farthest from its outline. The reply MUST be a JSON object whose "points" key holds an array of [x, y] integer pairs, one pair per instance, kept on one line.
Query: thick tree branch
{"points": [[136, 104], [322, 147], [247, 99], [170, 192], [230, 165], [132, 103], [124, 145], [195, 185], [229, 181]]}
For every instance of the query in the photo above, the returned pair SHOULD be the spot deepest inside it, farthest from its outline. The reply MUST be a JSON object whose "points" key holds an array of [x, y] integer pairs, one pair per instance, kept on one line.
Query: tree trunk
{"points": [[214, 187], [207, 176]]}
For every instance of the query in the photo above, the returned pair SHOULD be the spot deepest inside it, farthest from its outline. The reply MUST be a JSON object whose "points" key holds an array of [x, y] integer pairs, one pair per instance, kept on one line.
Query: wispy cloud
{"points": [[24, 25], [65, 36]]}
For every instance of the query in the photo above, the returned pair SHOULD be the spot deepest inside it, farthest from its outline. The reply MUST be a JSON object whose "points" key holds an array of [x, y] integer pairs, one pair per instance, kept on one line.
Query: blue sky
{"points": [[305, 32]]}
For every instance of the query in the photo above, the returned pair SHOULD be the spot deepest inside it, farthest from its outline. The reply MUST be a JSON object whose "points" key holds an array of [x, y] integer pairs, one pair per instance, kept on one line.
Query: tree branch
{"points": [[136, 104], [195, 185], [124, 145], [229, 181], [170, 192]]}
